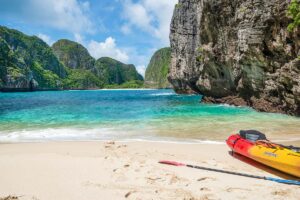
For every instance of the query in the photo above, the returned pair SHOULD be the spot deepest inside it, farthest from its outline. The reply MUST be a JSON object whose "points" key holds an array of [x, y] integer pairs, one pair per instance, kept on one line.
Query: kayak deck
{"points": [[267, 153]]}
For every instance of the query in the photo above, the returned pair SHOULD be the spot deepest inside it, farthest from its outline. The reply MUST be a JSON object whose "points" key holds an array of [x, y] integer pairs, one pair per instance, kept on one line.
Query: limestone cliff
{"points": [[73, 55], [112, 71], [237, 52], [27, 63], [158, 68]]}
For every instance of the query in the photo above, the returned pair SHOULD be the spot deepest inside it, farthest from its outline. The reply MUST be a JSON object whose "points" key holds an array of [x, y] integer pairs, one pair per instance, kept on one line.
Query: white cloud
{"points": [[66, 15], [127, 55], [126, 29], [79, 38], [46, 38], [141, 69], [108, 48], [152, 16]]}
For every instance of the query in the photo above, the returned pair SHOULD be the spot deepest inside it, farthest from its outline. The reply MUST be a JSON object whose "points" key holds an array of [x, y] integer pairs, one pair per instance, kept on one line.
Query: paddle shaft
{"points": [[227, 172], [290, 182]]}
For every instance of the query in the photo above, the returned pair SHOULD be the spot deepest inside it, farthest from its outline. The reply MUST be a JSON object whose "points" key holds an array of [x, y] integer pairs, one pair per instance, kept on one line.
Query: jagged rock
{"points": [[236, 49], [73, 55], [27, 63]]}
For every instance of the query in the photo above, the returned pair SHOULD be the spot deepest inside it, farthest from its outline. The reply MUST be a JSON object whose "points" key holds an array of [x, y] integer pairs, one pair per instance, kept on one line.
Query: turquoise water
{"points": [[129, 115]]}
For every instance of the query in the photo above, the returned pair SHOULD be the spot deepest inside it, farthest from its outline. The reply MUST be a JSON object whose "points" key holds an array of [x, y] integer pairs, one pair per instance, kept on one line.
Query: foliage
{"points": [[14, 72], [294, 13], [178, 5], [81, 79], [46, 78], [158, 69], [73, 55], [114, 72], [24, 58], [28, 57]]}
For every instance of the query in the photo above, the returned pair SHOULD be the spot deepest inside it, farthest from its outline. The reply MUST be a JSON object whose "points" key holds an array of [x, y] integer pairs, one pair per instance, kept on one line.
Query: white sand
{"points": [[98, 170]]}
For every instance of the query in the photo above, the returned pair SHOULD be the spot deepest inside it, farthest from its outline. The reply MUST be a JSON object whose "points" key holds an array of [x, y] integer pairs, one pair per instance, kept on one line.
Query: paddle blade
{"points": [[167, 162], [289, 182]]}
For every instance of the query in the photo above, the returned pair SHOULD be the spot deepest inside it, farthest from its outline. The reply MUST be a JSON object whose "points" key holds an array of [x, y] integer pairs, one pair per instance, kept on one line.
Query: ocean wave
{"points": [[95, 134], [50, 134], [129, 89], [163, 94], [175, 141]]}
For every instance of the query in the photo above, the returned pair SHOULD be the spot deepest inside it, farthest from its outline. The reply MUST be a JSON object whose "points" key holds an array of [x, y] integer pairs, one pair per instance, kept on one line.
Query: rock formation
{"points": [[237, 52], [27, 63], [112, 71], [158, 68], [73, 55], [84, 72]]}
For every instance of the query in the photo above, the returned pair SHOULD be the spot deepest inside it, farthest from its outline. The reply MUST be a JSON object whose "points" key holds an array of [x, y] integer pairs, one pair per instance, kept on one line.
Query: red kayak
{"points": [[255, 145]]}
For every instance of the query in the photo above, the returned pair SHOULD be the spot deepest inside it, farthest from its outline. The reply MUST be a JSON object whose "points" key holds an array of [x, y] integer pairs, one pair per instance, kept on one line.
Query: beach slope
{"points": [[119, 170]]}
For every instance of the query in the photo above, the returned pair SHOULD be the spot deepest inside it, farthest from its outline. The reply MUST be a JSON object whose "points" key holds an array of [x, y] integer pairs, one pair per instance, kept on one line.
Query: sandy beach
{"points": [[130, 170]]}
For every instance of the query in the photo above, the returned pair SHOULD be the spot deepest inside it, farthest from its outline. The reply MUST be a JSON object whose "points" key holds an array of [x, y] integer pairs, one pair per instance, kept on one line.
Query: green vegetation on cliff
{"points": [[82, 79], [27, 62], [86, 73], [294, 13], [73, 55], [158, 68], [114, 72]]}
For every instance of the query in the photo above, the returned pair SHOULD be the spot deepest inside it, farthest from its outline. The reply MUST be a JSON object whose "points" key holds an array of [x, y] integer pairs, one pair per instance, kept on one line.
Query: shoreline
{"points": [[174, 141], [18, 90], [130, 170]]}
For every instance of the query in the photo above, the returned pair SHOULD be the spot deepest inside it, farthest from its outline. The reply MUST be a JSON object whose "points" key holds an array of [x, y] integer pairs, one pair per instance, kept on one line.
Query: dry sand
{"points": [[118, 170]]}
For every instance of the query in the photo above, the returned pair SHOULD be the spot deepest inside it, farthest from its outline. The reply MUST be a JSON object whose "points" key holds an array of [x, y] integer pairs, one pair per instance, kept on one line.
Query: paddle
{"points": [[290, 182]]}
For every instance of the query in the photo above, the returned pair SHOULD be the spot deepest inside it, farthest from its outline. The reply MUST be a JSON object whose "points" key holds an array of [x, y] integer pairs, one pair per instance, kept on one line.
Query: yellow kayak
{"points": [[278, 157], [258, 148]]}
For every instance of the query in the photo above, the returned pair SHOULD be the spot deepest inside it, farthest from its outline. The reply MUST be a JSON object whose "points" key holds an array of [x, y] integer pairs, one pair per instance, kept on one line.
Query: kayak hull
{"points": [[270, 154]]}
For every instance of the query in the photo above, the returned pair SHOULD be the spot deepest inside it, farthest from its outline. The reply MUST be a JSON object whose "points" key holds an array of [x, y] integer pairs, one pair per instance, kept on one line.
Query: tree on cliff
{"points": [[294, 13]]}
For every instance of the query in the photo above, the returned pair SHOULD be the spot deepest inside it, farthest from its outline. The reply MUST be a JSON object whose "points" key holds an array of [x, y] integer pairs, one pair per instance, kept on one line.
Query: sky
{"points": [[127, 30]]}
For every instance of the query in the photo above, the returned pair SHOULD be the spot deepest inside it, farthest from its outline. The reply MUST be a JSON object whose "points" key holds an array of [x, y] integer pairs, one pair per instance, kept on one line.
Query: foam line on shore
{"points": [[50, 135]]}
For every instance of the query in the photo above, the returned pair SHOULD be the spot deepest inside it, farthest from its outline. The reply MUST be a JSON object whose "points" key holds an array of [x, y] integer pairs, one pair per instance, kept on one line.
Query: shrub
{"points": [[294, 13]]}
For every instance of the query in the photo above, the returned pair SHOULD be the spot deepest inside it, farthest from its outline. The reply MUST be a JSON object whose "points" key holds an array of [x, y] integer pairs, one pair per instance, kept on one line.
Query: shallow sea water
{"points": [[158, 115]]}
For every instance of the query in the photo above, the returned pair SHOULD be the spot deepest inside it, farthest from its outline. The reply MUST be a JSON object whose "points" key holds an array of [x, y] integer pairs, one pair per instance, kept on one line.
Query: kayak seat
{"points": [[252, 135]]}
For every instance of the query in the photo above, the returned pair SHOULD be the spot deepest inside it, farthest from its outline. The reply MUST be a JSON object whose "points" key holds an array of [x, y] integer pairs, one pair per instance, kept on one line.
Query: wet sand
{"points": [[118, 170]]}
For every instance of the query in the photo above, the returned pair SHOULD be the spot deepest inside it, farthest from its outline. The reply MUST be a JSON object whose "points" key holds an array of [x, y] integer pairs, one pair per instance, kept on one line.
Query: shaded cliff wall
{"points": [[237, 52]]}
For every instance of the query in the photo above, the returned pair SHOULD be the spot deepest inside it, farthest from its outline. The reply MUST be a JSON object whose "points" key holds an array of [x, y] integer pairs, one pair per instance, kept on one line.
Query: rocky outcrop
{"points": [[79, 64], [112, 71], [237, 52], [73, 55], [158, 68], [27, 63]]}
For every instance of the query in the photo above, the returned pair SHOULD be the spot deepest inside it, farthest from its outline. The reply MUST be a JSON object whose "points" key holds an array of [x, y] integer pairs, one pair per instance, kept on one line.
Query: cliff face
{"points": [[158, 68], [79, 65], [112, 71], [237, 52], [27, 63], [73, 55]]}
